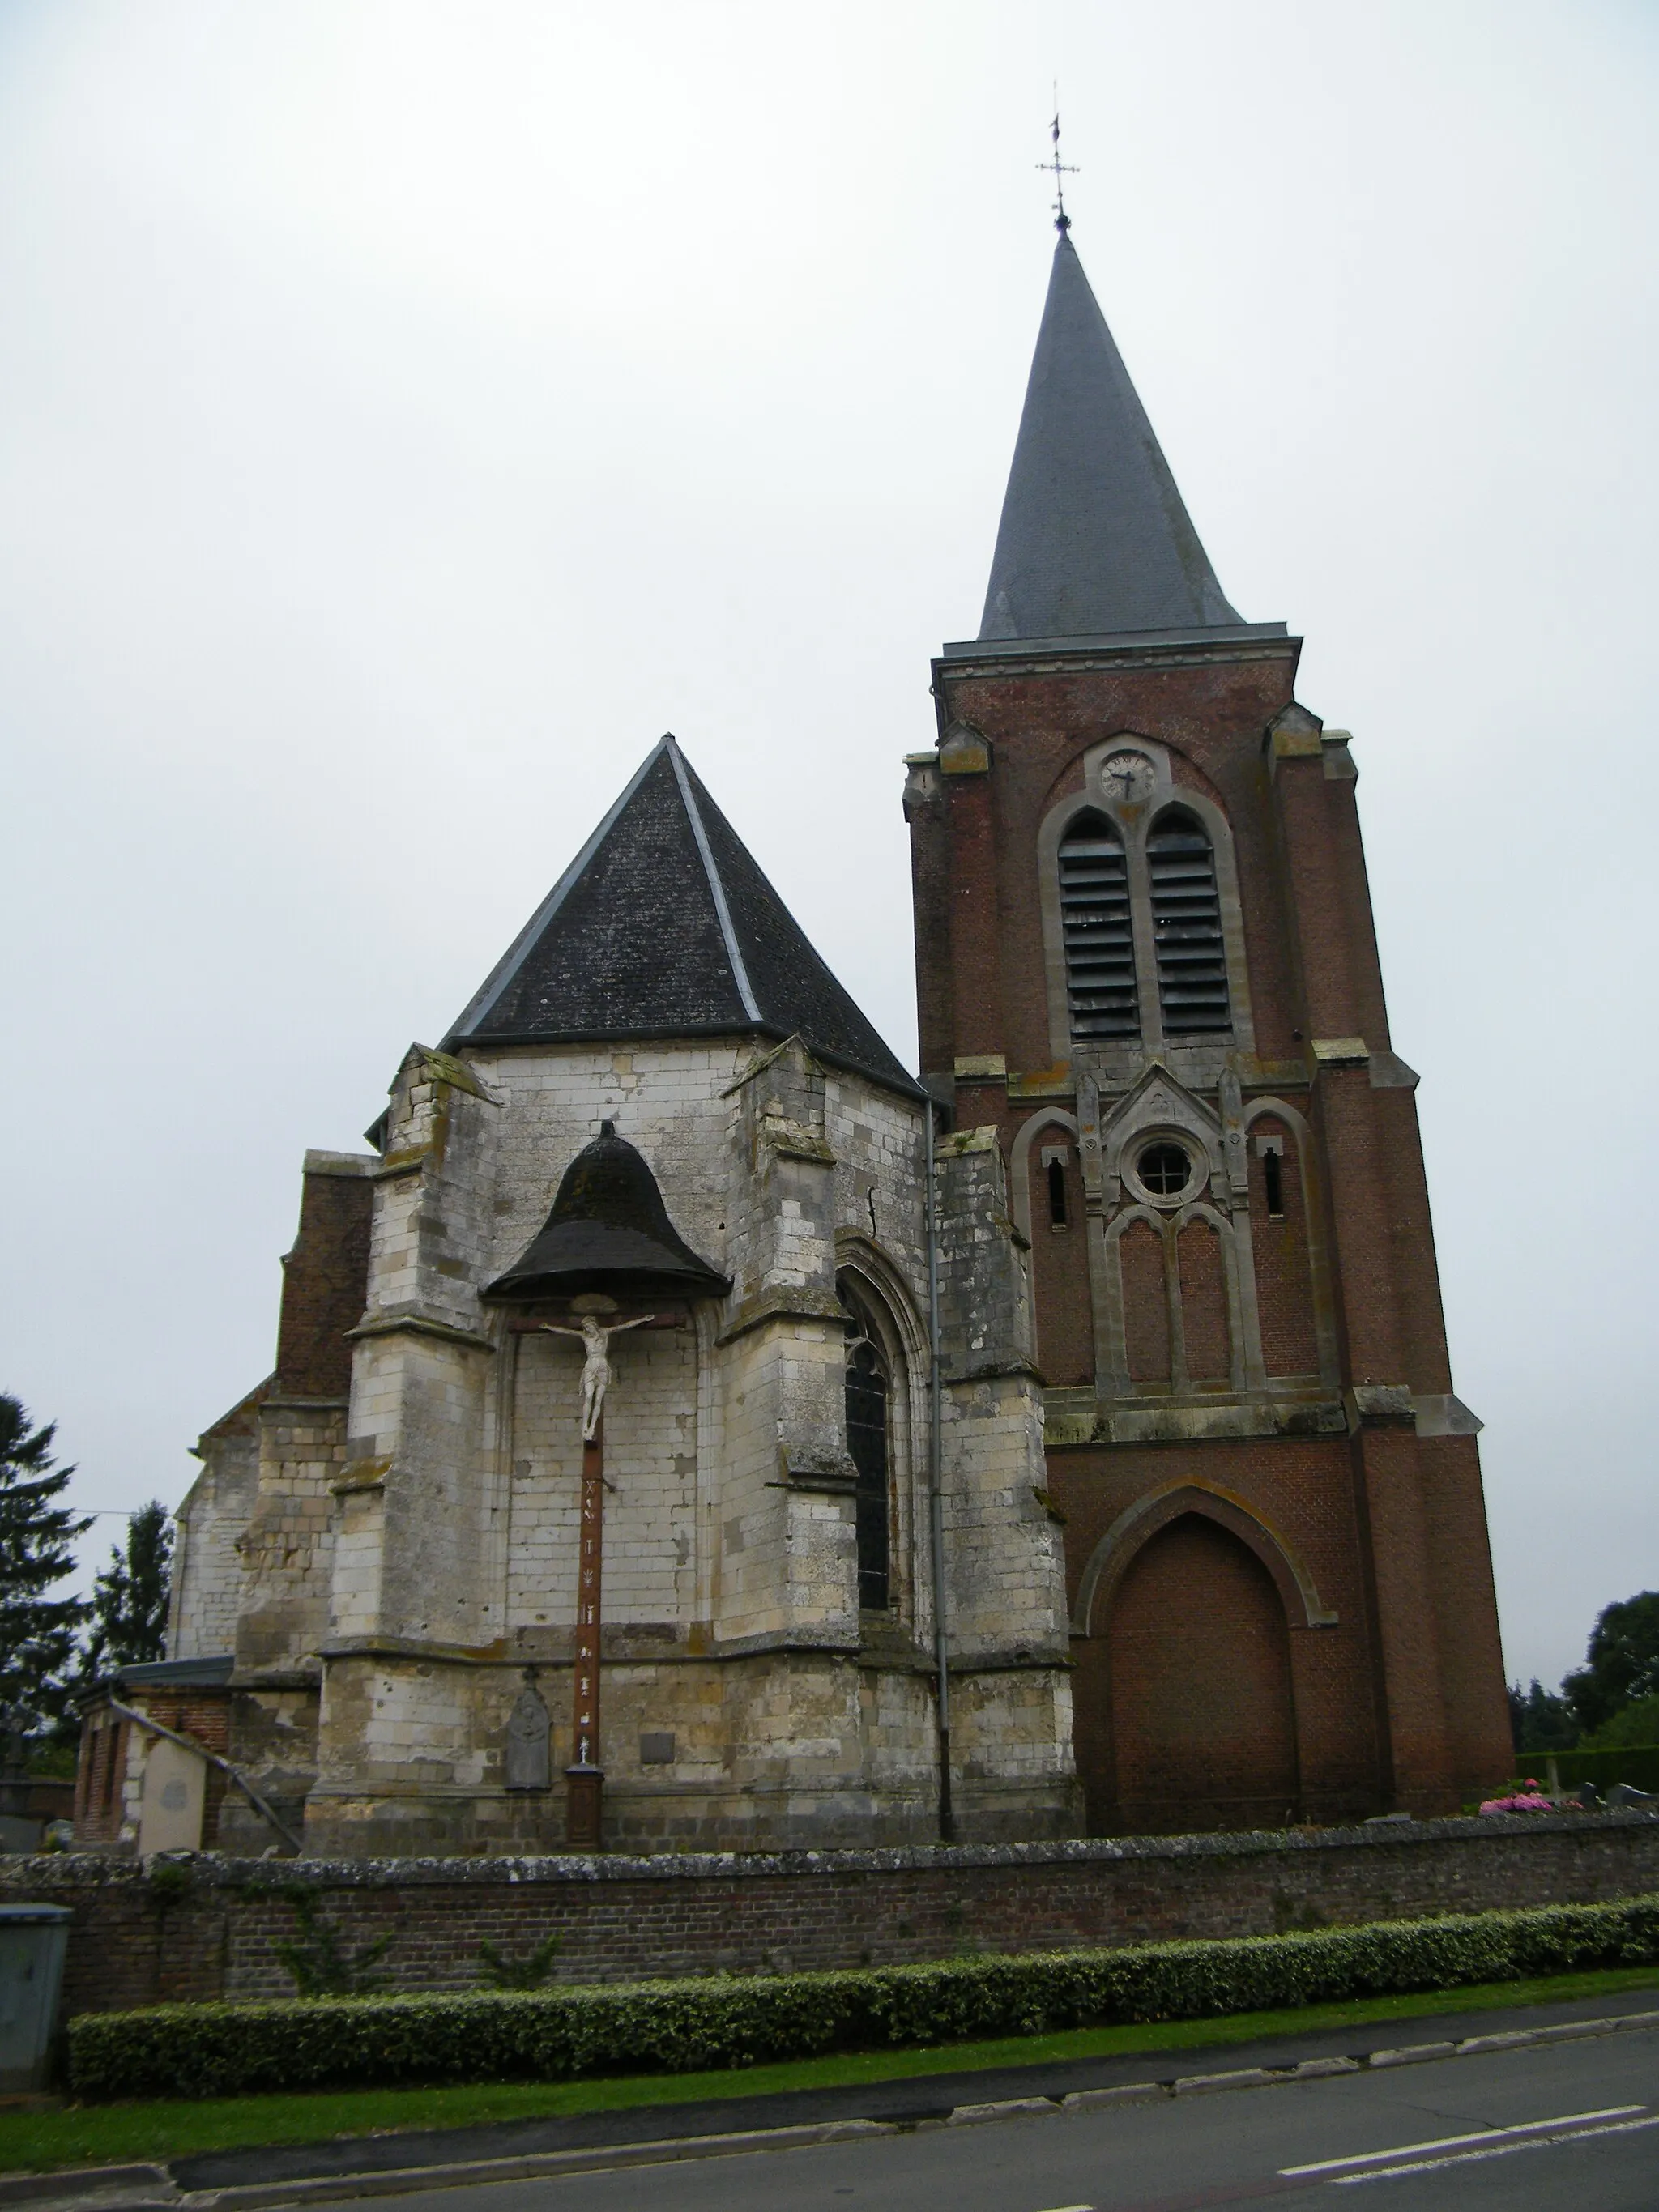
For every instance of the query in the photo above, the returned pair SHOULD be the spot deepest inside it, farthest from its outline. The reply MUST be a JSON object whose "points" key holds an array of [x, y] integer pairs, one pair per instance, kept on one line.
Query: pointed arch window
{"points": [[1192, 955], [868, 1428], [1057, 1191], [1097, 933]]}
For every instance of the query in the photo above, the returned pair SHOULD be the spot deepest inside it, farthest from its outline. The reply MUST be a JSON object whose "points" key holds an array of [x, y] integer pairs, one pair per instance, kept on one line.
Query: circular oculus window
{"points": [[1163, 1169]]}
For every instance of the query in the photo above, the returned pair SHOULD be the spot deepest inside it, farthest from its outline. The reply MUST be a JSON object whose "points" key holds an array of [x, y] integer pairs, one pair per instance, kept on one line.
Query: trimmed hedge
{"points": [[680, 2026]]}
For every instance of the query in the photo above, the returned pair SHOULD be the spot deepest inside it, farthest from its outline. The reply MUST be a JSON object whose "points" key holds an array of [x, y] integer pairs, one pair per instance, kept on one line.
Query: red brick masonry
{"points": [[137, 1940]]}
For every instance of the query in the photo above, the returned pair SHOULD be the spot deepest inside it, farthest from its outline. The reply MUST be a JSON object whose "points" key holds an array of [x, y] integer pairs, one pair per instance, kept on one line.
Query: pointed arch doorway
{"points": [[1183, 1691]]}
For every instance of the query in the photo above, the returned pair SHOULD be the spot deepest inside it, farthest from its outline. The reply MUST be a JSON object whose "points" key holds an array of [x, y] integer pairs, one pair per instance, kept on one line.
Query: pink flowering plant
{"points": [[1520, 1798]]}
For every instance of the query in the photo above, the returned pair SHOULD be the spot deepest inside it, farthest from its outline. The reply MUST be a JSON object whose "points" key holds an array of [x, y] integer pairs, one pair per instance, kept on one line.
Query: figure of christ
{"points": [[596, 1368]]}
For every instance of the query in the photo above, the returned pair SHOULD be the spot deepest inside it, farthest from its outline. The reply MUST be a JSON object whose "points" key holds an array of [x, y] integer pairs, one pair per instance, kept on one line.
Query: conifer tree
{"points": [[129, 1598], [1540, 1721], [37, 1537]]}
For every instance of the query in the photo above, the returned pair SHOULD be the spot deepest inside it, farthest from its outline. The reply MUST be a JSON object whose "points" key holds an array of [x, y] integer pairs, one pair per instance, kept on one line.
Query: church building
{"points": [[1061, 1443]]}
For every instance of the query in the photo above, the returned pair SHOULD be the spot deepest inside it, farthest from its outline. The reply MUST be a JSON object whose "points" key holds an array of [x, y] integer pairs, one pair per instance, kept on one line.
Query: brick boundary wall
{"points": [[207, 1929]]}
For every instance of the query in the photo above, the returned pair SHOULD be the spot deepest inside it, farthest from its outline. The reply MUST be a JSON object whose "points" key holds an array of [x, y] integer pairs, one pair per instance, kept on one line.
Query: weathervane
{"points": [[1060, 169]]}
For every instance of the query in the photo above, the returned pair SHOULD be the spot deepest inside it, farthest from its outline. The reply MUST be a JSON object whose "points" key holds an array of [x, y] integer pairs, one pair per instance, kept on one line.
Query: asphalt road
{"points": [[1555, 2125]]}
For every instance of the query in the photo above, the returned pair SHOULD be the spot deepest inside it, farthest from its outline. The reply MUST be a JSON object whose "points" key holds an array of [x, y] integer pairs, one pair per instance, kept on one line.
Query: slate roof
{"points": [[664, 926], [1094, 538]]}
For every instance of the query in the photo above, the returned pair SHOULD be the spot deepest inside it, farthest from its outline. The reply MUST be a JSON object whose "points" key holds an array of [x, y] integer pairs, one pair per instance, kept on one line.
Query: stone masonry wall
{"points": [[287, 1548], [207, 1566], [418, 1550], [134, 1942]]}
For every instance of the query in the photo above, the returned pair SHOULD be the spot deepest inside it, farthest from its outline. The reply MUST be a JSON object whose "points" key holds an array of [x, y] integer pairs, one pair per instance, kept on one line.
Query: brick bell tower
{"points": [[1146, 957]]}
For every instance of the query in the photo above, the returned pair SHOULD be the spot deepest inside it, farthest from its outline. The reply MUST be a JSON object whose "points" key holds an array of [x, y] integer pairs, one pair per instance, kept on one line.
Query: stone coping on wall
{"points": [[59, 1870]]}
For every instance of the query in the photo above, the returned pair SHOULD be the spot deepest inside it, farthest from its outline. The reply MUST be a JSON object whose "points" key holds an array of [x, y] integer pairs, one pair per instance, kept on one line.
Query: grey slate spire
{"points": [[1094, 537], [663, 925]]}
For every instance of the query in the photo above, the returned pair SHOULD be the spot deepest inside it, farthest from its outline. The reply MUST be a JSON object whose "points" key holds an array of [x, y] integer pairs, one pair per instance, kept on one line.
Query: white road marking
{"points": [[1456, 2142], [1503, 2150]]}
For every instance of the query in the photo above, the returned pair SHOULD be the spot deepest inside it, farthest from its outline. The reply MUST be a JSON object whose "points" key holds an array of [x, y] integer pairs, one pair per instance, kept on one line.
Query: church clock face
{"points": [[1127, 777]]}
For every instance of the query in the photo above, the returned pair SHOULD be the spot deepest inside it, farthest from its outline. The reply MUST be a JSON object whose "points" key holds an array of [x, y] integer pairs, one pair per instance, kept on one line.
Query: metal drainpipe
{"points": [[947, 1824]]}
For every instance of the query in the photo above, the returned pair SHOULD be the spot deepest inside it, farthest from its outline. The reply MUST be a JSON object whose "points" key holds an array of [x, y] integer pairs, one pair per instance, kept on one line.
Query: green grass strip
{"points": [[37, 2141]]}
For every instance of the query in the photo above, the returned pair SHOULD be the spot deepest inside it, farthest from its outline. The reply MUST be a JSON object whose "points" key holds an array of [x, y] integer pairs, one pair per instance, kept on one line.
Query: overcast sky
{"points": [[408, 412]]}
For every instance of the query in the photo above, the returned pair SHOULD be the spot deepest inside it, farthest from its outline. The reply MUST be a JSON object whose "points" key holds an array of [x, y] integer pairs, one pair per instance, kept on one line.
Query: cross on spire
{"points": [[1059, 170]]}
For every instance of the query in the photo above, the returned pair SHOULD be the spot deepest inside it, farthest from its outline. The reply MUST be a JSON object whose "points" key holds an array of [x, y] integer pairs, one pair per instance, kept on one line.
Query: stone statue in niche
{"points": [[596, 1368], [529, 1760]]}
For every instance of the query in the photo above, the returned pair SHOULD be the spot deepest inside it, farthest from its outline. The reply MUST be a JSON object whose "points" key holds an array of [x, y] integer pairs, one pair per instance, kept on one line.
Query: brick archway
{"points": [[1111, 1558], [1184, 1693]]}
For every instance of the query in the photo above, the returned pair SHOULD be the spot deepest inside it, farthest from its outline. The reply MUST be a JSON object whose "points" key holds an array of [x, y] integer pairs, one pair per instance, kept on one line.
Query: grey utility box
{"points": [[34, 1939]]}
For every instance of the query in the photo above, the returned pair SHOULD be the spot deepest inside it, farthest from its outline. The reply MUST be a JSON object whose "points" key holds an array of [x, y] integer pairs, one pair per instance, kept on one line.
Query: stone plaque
{"points": [[174, 1795], [529, 1760]]}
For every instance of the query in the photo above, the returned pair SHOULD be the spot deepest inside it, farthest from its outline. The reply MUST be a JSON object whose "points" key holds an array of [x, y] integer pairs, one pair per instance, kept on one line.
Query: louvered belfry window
{"points": [[1100, 950], [1192, 958]]}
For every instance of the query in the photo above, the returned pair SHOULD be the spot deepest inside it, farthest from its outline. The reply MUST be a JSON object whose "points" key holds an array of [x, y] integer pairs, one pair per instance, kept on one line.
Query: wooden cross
{"points": [[585, 1777]]}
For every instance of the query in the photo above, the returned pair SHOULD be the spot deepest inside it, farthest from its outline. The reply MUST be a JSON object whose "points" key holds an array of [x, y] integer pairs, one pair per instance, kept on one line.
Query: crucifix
{"points": [[585, 1777]]}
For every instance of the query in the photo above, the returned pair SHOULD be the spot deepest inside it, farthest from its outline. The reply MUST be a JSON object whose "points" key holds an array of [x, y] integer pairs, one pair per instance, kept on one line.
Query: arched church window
{"points": [[1057, 1194], [1099, 939], [1192, 956], [867, 1394], [1273, 1177], [1166, 1168]]}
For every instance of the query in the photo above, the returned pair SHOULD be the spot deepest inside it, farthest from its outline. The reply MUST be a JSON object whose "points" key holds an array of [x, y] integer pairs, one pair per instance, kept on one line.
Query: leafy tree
{"points": [[1622, 1663], [129, 1598], [1637, 1722], [1540, 1720], [37, 1537]]}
